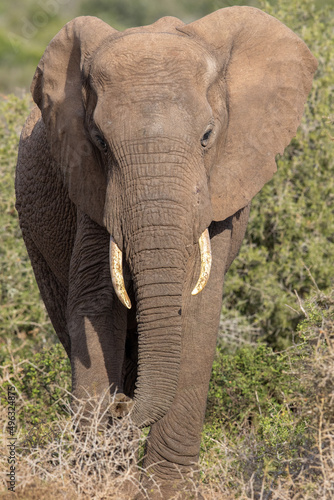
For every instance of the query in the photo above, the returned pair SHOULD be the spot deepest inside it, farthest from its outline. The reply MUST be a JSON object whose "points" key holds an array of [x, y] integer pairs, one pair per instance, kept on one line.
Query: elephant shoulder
{"points": [[33, 118], [33, 147], [39, 184], [46, 214]]}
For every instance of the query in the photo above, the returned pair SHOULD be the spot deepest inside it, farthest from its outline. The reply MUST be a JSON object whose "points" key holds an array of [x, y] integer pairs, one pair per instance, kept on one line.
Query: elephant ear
{"points": [[268, 71], [57, 91]]}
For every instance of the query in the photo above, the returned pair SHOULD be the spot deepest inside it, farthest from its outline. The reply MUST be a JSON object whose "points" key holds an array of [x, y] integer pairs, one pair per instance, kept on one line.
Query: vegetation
{"points": [[22, 315], [270, 421], [27, 26], [268, 432], [290, 234], [269, 425]]}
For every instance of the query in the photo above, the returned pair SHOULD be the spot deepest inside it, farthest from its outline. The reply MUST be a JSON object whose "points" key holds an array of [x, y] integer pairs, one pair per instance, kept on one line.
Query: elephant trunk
{"points": [[157, 257], [157, 233], [159, 303], [116, 268]]}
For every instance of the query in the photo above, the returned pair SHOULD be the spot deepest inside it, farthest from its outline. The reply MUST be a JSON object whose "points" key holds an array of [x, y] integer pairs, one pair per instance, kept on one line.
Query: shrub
{"points": [[22, 314], [41, 384], [248, 386], [291, 225], [270, 422]]}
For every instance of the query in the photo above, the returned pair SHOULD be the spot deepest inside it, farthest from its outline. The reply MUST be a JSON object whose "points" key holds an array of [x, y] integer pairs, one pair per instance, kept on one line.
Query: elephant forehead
{"points": [[153, 57]]}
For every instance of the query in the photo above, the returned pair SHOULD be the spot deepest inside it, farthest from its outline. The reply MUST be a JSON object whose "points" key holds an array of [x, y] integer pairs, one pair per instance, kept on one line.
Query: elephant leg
{"points": [[97, 320], [53, 291], [174, 441], [130, 367]]}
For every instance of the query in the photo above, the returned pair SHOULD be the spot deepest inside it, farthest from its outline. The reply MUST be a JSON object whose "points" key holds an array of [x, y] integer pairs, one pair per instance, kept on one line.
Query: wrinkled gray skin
{"points": [[152, 135]]}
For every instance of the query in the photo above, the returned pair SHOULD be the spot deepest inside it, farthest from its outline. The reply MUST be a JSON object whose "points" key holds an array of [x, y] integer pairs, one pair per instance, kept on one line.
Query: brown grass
{"points": [[58, 461]]}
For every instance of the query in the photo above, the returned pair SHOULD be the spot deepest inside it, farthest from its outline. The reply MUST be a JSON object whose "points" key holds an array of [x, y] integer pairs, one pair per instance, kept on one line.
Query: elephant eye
{"points": [[206, 137], [101, 143]]}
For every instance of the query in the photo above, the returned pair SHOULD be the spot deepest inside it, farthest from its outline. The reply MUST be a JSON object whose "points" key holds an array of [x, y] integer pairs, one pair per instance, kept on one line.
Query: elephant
{"points": [[135, 174]]}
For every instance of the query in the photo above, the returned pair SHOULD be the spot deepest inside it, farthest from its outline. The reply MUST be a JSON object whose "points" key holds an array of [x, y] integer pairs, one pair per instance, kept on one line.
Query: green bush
{"points": [[22, 314], [122, 14], [41, 384], [253, 382], [291, 225], [254, 396], [270, 417]]}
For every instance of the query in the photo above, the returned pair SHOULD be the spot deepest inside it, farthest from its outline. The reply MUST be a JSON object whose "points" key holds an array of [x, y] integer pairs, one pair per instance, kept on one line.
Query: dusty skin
{"points": [[152, 136]]}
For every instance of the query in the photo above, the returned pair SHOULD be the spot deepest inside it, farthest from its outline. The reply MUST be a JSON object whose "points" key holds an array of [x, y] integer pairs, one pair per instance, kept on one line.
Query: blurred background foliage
{"points": [[289, 242], [27, 26]]}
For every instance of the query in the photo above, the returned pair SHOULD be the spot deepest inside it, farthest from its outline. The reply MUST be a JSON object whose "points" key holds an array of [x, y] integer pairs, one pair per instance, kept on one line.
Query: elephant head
{"points": [[158, 132]]}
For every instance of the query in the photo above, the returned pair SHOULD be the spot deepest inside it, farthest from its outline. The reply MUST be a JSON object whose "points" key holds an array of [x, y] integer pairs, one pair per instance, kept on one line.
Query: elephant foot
{"points": [[121, 406]]}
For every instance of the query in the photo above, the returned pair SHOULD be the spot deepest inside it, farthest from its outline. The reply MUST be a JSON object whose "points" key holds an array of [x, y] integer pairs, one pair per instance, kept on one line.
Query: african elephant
{"points": [[135, 174]]}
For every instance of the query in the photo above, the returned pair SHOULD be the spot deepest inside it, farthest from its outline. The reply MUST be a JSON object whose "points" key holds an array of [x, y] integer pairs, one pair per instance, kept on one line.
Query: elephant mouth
{"points": [[116, 268]]}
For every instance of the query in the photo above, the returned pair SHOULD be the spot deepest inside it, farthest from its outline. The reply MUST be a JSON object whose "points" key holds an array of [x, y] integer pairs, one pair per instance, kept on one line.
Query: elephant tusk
{"points": [[206, 260], [116, 271]]}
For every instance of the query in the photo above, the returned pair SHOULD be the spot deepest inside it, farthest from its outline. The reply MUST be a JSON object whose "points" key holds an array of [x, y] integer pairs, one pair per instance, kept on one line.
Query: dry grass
{"points": [[55, 460], [98, 462]]}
